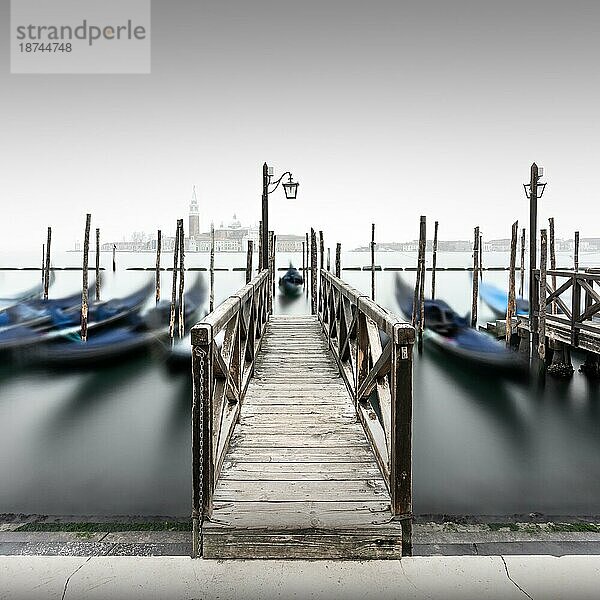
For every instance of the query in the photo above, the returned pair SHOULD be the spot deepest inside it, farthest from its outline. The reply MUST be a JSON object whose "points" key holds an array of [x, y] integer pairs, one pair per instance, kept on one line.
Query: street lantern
{"points": [[290, 188]]}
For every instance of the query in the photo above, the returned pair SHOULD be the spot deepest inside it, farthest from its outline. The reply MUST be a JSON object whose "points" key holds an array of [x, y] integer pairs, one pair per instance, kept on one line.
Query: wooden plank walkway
{"points": [[299, 479]]}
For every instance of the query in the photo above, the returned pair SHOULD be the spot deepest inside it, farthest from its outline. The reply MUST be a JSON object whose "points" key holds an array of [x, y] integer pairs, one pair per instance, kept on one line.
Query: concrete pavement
{"points": [[170, 577]]}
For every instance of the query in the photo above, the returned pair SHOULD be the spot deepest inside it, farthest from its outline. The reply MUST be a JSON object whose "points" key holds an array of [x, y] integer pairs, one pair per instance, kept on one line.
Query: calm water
{"points": [[116, 440]]}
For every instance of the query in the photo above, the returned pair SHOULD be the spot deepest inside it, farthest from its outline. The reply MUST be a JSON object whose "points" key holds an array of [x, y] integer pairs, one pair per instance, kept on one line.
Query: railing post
{"points": [[313, 271], [362, 350], [575, 309], [202, 451], [401, 431]]}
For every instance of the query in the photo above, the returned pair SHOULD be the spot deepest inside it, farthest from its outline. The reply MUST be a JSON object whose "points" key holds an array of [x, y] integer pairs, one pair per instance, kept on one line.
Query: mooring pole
{"points": [[97, 265], [272, 242], [114, 258], [174, 285], [475, 298], [533, 318], [47, 269], [338, 260], [434, 263], [422, 249], [522, 286], [43, 269], [329, 259], [480, 256], [313, 271], [84, 291], [542, 297], [511, 307], [373, 261], [307, 262], [211, 305], [260, 254], [303, 264], [157, 275], [576, 251], [181, 314], [249, 261], [552, 258]]}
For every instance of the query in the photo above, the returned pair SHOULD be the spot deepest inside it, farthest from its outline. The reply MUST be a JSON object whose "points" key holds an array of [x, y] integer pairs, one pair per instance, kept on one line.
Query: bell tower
{"points": [[194, 221]]}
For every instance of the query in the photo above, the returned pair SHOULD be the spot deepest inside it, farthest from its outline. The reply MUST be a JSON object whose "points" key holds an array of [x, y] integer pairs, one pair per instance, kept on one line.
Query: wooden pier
{"points": [[290, 457]]}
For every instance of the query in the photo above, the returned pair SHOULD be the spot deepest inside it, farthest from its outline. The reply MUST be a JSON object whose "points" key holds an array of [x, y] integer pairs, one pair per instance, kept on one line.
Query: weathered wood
{"points": [[296, 453], [249, 262], [475, 298], [480, 266], [313, 271], [321, 250], [212, 266], [511, 307], [542, 295], [576, 252], [97, 294], [373, 261], [418, 316], [84, 291], [260, 237], [114, 258], [43, 267], [181, 311], [552, 259], [521, 286], [434, 263], [329, 259], [306, 286], [174, 283], [338, 259], [47, 268], [157, 271]]}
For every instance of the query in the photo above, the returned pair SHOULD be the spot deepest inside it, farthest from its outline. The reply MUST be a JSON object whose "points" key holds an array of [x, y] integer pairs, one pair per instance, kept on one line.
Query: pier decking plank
{"points": [[299, 479]]}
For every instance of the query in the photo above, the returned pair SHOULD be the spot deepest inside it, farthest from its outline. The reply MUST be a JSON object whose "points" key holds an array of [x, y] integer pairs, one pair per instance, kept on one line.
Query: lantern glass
{"points": [[291, 189]]}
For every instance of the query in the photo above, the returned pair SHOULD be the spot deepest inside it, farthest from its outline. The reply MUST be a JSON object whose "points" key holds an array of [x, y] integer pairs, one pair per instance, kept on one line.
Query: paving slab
{"points": [[448, 578]]}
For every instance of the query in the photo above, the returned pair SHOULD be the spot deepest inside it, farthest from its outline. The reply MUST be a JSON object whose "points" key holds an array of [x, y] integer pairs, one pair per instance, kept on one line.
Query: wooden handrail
{"points": [[373, 348], [224, 348]]}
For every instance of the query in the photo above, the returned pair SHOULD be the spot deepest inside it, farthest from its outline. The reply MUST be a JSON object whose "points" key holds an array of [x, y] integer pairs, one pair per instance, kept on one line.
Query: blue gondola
{"points": [[42, 321], [496, 299], [452, 334], [291, 282], [137, 334]]}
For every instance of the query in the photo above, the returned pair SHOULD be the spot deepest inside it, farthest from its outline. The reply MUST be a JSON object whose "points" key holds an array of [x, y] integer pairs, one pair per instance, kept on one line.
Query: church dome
{"points": [[235, 223]]}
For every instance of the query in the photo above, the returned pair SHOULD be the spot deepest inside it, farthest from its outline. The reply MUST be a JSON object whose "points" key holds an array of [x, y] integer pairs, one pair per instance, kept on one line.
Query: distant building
{"points": [[194, 217], [289, 243]]}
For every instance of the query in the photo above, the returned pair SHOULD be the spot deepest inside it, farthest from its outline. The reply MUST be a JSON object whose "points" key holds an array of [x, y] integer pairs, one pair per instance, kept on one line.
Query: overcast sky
{"points": [[383, 110]]}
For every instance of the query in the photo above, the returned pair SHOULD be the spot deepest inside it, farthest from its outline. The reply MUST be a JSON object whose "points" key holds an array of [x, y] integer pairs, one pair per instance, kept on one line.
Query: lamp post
{"points": [[290, 187], [533, 190]]}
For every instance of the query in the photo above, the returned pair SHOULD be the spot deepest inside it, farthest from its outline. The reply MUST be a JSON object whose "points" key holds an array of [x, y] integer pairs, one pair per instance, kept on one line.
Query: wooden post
{"points": [[423, 247], [307, 262], [542, 296], [401, 432], [303, 264], [260, 237], [157, 276], [576, 252], [43, 269], [174, 285], [47, 268], [211, 305], [84, 291], [552, 259], [249, 261], [273, 242], [373, 261], [338, 260], [329, 259], [475, 278], [271, 275], [181, 314], [511, 307], [321, 250], [480, 266], [202, 431], [521, 287], [97, 264], [434, 264], [114, 258], [313, 271]]}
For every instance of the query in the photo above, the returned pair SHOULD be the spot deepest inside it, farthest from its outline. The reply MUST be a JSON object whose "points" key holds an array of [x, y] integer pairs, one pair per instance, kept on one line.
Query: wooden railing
{"points": [[570, 299], [224, 348], [373, 349]]}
